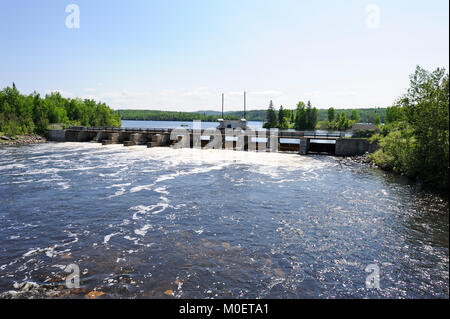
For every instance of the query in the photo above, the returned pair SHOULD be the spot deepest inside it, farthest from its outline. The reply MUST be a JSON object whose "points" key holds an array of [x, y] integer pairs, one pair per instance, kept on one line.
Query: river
{"points": [[188, 223]]}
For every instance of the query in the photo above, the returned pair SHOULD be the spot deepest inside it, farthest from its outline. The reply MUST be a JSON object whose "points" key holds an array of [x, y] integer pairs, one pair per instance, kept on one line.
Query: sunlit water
{"points": [[159, 222]]}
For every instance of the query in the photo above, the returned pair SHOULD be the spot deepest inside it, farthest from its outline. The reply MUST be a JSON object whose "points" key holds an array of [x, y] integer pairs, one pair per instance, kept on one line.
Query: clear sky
{"points": [[180, 55]]}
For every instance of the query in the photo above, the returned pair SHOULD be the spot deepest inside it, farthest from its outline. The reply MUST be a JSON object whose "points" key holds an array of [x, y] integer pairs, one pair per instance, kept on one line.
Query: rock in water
{"points": [[168, 292], [94, 294]]}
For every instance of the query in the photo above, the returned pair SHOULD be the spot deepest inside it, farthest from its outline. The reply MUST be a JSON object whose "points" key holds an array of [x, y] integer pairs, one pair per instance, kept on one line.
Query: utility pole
{"points": [[222, 104], [244, 105]]}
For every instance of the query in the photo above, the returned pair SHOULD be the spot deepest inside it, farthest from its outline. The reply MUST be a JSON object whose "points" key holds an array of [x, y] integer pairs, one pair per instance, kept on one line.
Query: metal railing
{"points": [[326, 135]]}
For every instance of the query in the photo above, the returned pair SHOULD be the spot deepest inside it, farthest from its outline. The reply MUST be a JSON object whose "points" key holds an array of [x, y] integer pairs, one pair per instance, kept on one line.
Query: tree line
{"points": [[27, 114], [154, 115], [366, 115], [306, 117], [415, 139], [340, 121]]}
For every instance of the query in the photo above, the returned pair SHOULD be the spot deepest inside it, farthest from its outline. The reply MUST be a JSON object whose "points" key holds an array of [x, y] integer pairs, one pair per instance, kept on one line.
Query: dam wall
{"points": [[354, 146], [245, 140], [56, 135]]}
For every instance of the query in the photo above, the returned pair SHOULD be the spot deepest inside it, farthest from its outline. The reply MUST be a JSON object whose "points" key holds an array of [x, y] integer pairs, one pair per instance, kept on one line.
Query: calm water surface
{"points": [[149, 223], [175, 124]]}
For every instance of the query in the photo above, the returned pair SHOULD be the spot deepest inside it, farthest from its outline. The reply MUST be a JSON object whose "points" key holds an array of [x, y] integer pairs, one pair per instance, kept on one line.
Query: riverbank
{"points": [[21, 140], [360, 159]]}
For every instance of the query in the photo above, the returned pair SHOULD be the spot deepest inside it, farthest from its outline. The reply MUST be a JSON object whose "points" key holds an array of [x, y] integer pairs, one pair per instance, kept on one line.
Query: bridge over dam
{"points": [[272, 140]]}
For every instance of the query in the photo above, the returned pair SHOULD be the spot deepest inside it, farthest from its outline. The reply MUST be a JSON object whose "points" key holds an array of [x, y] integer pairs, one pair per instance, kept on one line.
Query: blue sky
{"points": [[181, 55]]}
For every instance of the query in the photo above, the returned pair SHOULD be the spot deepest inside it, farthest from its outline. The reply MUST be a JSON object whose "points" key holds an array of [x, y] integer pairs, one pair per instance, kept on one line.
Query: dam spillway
{"points": [[269, 140]]}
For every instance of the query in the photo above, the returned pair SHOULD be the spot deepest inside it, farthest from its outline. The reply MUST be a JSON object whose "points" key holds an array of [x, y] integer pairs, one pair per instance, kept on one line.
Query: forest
{"points": [[307, 117], [367, 115], [155, 115], [27, 114]]}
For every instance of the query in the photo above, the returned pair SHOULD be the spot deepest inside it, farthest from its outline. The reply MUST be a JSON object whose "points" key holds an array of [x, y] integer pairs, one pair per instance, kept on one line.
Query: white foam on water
{"points": [[12, 166], [162, 205], [174, 157], [118, 185], [140, 209], [179, 206], [161, 190], [108, 237], [119, 192], [49, 180], [31, 252], [143, 231], [42, 171], [270, 164], [194, 171], [62, 267], [141, 188], [63, 185]]}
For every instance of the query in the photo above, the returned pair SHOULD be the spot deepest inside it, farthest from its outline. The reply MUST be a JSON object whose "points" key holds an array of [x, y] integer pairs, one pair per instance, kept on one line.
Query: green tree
{"points": [[377, 120], [281, 114], [394, 114], [314, 119], [308, 115], [24, 114], [354, 116], [331, 114], [415, 141], [342, 122], [283, 118], [271, 117], [300, 118], [311, 116]]}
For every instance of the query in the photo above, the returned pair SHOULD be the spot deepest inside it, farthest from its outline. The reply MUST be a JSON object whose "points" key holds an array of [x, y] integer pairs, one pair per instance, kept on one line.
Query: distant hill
{"points": [[209, 112], [366, 115]]}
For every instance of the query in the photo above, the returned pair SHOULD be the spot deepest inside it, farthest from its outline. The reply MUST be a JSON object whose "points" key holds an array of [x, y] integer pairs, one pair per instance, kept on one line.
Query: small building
{"points": [[223, 124]]}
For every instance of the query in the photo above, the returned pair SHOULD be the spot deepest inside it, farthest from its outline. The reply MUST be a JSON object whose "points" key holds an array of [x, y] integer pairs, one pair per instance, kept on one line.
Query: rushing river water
{"points": [[159, 222]]}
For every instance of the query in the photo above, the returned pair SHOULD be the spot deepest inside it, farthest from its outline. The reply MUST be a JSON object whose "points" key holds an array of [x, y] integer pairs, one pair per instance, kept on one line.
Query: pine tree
{"points": [[281, 115], [271, 117], [311, 117]]}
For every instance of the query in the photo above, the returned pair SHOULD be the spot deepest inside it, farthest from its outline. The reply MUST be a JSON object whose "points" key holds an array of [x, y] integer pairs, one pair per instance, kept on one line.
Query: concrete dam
{"points": [[229, 138]]}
